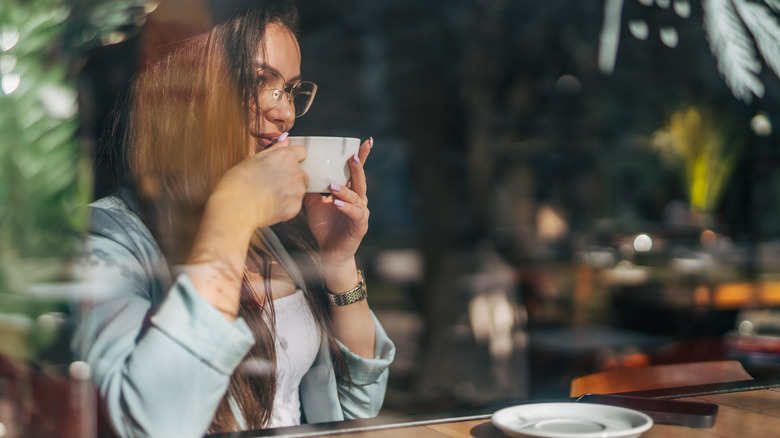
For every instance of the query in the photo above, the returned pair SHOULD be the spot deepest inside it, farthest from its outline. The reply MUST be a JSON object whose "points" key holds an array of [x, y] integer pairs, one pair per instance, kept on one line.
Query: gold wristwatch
{"points": [[359, 293]]}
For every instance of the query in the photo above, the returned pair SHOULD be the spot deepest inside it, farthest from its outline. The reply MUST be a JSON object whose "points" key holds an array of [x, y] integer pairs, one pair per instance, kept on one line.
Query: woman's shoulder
{"points": [[113, 212], [113, 219]]}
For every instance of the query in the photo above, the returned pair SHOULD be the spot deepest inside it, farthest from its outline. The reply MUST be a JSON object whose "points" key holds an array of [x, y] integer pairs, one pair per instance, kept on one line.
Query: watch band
{"points": [[359, 293]]}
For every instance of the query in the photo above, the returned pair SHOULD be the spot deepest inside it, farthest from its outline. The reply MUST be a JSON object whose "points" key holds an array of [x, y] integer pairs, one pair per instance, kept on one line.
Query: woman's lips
{"points": [[265, 139]]}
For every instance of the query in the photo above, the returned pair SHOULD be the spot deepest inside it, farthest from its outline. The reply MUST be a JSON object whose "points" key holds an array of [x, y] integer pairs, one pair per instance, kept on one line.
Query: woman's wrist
{"points": [[218, 284], [340, 277], [352, 323], [354, 295]]}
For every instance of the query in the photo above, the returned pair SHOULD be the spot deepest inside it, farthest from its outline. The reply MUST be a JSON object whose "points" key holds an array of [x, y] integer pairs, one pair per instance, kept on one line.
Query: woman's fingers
{"points": [[276, 173], [358, 175], [365, 148], [352, 205], [344, 194], [298, 150], [280, 142], [349, 201]]}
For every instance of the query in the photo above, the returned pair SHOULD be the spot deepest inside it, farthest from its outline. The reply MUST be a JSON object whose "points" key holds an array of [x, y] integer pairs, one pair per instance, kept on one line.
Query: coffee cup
{"points": [[326, 160]]}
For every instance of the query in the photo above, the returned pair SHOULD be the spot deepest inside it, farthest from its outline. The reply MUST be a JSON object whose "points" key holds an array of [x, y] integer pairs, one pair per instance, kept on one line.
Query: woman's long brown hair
{"points": [[187, 126]]}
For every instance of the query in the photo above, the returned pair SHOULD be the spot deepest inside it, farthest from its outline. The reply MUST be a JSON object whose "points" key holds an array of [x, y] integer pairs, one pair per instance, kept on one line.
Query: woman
{"points": [[218, 303]]}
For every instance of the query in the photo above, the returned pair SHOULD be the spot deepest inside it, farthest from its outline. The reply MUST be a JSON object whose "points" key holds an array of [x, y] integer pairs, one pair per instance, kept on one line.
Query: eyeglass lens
{"points": [[273, 88]]}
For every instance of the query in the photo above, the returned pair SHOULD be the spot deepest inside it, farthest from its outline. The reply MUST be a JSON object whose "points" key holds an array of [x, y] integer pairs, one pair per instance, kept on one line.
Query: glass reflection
{"points": [[559, 188]]}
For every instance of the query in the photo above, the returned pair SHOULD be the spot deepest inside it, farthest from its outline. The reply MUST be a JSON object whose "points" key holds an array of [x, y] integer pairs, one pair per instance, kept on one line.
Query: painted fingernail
{"points": [[371, 142], [338, 203], [335, 187], [356, 159], [283, 136]]}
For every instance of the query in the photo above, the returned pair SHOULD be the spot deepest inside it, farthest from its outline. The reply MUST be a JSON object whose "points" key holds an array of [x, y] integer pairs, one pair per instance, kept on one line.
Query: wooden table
{"points": [[751, 414], [743, 413]]}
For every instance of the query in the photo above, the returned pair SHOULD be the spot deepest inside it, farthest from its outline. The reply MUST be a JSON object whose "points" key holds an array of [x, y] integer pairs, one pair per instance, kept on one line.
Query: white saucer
{"points": [[571, 420]]}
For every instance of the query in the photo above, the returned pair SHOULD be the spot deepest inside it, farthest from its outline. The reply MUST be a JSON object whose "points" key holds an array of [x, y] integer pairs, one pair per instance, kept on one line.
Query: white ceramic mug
{"points": [[326, 160]]}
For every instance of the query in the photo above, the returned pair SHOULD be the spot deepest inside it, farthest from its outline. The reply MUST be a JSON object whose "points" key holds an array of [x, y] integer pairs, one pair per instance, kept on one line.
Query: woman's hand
{"points": [[340, 221], [266, 188]]}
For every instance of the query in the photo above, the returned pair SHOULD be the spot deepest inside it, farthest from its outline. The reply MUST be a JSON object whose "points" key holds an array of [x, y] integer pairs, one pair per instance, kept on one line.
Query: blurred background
{"points": [[557, 187]]}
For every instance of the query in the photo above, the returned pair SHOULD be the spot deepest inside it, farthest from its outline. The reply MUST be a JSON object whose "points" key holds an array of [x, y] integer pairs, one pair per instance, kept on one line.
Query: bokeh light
{"points": [[643, 243]]}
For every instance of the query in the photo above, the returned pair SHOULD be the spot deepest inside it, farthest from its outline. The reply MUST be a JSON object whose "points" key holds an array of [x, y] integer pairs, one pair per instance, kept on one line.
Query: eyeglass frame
{"points": [[289, 93]]}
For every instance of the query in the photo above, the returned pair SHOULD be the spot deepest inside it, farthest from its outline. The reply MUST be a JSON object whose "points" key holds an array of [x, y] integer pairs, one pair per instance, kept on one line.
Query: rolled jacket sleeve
{"points": [[364, 395], [161, 355], [364, 371], [220, 343], [325, 399]]}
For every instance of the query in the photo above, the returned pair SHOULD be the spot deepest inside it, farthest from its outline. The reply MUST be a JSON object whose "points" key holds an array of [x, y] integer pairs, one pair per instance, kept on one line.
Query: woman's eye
{"points": [[277, 93]]}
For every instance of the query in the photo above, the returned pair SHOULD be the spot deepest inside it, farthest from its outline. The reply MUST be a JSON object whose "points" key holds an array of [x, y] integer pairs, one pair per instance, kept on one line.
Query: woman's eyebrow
{"points": [[292, 80]]}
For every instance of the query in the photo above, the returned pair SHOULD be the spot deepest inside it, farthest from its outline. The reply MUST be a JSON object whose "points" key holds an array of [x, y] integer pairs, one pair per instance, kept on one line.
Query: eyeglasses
{"points": [[271, 86]]}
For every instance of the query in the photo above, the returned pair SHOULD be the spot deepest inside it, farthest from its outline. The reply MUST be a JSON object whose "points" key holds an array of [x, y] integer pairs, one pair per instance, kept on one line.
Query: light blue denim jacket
{"points": [[162, 357]]}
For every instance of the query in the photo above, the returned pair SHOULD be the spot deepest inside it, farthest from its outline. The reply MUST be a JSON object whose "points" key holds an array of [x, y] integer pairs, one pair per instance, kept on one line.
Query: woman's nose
{"points": [[283, 112]]}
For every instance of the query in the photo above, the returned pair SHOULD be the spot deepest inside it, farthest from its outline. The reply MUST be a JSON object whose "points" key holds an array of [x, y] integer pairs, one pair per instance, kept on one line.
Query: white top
{"points": [[297, 343]]}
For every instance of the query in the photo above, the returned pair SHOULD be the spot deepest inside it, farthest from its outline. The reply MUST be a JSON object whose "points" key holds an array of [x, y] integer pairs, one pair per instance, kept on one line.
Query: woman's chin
{"points": [[259, 143]]}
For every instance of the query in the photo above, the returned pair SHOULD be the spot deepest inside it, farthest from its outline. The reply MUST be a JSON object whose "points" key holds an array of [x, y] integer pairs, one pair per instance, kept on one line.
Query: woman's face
{"points": [[281, 55]]}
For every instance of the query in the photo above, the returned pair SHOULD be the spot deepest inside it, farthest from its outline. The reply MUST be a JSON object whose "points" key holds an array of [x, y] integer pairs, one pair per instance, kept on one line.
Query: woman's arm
{"points": [[353, 324], [339, 223]]}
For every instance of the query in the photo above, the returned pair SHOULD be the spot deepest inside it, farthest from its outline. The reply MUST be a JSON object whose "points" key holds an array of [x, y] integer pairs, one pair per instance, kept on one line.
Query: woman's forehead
{"points": [[282, 51]]}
